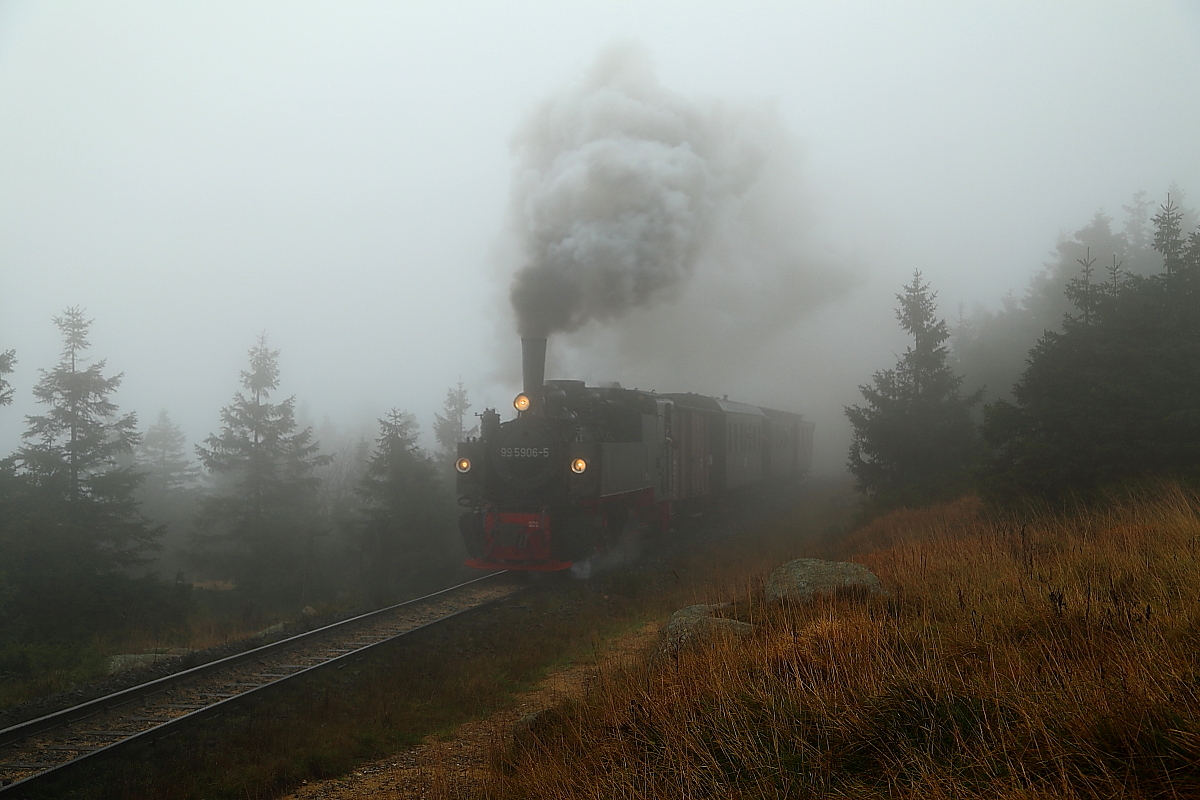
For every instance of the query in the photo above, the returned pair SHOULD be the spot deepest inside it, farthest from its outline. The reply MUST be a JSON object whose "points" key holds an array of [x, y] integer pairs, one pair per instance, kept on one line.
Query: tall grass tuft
{"points": [[1050, 655]]}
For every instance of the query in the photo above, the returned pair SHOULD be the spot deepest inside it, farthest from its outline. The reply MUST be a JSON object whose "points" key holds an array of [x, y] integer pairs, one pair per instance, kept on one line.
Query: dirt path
{"points": [[457, 768]]}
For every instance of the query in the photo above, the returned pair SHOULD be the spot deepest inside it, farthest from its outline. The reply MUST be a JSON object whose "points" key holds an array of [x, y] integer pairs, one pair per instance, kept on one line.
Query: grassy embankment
{"points": [[1051, 656], [458, 671]]}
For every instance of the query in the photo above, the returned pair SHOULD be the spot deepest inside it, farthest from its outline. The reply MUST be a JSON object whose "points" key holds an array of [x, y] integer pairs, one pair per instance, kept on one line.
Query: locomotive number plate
{"points": [[524, 452]]}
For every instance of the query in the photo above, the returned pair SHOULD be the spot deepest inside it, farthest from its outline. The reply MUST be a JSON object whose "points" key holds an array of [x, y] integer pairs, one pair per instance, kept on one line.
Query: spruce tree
{"points": [[1137, 223], [449, 428], [80, 435], [163, 458], [7, 479], [71, 451], [1168, 237], [914, 441], [339, 498], [258, 525], [404, 521], [170, 487], [70, 526], [7, 359]]}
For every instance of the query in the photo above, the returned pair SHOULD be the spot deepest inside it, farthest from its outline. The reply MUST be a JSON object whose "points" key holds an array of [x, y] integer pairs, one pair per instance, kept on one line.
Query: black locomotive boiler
{"points": [[579, 464]]}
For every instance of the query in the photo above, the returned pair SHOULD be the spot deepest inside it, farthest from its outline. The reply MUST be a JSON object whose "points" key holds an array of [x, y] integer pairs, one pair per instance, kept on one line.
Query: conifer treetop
{"points": [[7, 359], [263, 376]]}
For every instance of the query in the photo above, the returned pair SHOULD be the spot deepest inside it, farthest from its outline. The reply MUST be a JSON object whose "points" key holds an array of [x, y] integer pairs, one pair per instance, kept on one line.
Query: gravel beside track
{"points": [[40, 746]]}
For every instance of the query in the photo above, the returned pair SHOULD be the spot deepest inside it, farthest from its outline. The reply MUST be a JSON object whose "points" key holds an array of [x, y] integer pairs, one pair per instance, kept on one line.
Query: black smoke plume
{"points": [[618, 185]]}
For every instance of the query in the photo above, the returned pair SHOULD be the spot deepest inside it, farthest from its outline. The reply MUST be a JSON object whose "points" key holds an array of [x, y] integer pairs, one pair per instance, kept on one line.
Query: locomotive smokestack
{"points": [[533, 369]]}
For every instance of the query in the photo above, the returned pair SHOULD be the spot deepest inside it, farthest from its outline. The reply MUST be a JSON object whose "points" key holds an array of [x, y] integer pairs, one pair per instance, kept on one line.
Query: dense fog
{"points": [[363, 182]]}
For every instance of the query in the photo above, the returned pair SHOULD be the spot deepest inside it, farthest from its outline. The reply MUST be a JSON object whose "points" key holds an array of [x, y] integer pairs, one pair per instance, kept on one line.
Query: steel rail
{"points": [[82, 711]]}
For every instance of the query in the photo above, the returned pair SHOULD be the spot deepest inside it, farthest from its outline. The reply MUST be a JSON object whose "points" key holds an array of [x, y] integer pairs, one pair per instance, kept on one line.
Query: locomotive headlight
{"points": [[578, 466], [463, 465], [522, 403]]}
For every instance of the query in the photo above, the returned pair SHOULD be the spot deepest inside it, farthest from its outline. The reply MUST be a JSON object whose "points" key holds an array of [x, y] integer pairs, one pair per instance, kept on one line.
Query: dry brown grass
{"points": [[1051, 656]]}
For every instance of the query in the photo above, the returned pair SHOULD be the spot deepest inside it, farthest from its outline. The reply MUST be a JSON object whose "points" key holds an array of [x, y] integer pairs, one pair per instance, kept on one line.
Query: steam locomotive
{"points": [[582, 464]]}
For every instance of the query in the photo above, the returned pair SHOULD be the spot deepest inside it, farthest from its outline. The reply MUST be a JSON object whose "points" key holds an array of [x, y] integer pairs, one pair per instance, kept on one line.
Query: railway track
{"points": [[39, 748]]}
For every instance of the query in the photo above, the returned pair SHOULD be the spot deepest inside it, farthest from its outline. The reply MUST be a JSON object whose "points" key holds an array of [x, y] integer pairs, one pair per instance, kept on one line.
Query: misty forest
{"points": [[115, 533], [1093, 377]]}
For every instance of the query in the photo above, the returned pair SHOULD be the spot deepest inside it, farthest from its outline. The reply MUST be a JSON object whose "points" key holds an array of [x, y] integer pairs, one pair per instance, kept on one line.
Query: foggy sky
{"points": [[340, 176]]}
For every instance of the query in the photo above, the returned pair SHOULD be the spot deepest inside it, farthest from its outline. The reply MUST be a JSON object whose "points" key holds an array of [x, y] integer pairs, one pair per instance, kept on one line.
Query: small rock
{"points": [[800, 580], [125, 661], [689, 625]]}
